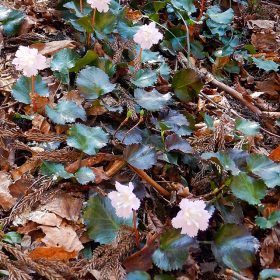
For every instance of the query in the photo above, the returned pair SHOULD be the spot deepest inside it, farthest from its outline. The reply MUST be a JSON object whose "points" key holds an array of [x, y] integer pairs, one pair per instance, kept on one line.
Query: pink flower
{"points": [[147, 35], [29, 61], [124, 200], [192, 217], [102, 6]]}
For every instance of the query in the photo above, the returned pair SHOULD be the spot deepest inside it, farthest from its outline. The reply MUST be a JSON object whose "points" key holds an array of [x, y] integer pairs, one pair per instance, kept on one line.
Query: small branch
{"points": [[116, 167], [235, 275], [149, 180]]}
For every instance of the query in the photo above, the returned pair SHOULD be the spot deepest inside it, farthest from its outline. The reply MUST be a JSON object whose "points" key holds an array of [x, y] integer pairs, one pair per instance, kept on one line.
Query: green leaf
{"points": [[248, 188], [235, 247], [93, 82], [173, 250], [87, 59], [248, 128], [87, 139], [186, 5], [186, 84], [266, 65], [84, 175], [10, 20], [175, 142], [138, 275], [140, 156], [151, 101], [144, 78], [101, 220], [22, 89], [269, 274], [224, 160], [265, 168], [270, 222], [55, 169], [66, 112], [12, 237], [164, 277]]}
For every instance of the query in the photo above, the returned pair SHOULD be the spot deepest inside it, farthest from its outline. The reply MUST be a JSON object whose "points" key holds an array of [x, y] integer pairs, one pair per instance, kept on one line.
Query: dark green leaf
{"points": [[270, 221], [12, 237], [144, 78], [265, 168], [173, 250], [22, 89], [138, 275], [248, 128], [248, 188], [266, 65], [186, 84], [101, 220], [87, 139], [187, 5], [140, 156], [175, 142], [93, 82], [66, 112], [89, 57], [235, 247], [152, 100]]}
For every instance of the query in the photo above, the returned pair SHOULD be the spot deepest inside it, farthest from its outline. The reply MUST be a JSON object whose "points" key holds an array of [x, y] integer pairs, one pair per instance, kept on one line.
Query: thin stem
{"points": [[140, 55], [81, 6], [92, 25], [202, 7], [33, 94], [32, 85], [135, 228]]}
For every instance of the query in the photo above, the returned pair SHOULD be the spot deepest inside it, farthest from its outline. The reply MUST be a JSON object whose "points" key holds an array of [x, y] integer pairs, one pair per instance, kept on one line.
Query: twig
{"points": [[149, 180]]}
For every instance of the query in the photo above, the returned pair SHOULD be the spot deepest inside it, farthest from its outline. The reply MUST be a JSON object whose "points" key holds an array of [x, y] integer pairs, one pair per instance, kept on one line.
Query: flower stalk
{"points": [[135, 229], [81, 6]]}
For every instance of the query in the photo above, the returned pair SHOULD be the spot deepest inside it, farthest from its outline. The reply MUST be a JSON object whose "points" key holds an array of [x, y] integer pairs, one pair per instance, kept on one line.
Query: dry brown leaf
{"points": [[45, 218], [134, 15], [28, 166], [100, 174], [6, 199], [63, 236], [265, 42], [52, 254], [270, 86], [50, 48], [261, 24], [275, 154], [65, 206], [40, 123]]}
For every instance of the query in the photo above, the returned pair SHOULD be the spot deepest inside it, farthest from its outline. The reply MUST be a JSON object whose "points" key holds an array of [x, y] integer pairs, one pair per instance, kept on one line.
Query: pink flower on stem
{"points": [[102, 6], [147, 35], [192, 217], [124, 200], [29, 61]]}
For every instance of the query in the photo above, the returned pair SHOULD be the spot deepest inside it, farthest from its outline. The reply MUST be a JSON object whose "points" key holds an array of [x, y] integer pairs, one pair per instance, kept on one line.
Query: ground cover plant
{"points": [[139, 139]]}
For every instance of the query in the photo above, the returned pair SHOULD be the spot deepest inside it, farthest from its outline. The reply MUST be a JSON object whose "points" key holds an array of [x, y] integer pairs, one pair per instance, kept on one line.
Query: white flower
{"points": [[124, 200], [147, 35], [192, 217], [102, 6], [29, 61]]}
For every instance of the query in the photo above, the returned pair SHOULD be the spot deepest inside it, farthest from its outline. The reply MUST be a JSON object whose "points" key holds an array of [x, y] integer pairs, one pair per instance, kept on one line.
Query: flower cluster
{"points": [[124, 200], [102, 6], [29, 61], [147, 35], [192, 217]]}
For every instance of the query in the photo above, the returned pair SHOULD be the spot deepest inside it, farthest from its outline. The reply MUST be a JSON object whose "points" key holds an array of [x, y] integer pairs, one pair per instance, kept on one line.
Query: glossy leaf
{"points": [[235, 247], [173, 250], [269, 273], [247, 127], [266, 65], [101, 220], [144, 78], [140, 156], [248, 188], [186, 84], [138, 275], [55, 170], [87, 139], [187, 5], [22, 89], [151, 101], [175, 142], [93, 82], [84, 175], [265, 168], [270, 221], [66, 112], [12, 237]]}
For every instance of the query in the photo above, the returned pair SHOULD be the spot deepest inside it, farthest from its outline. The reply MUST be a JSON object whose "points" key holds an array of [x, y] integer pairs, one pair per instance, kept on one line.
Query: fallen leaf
{"points": [[261, 24], [45, 218], [265, 42], [63, 236], [28, 166], [275, 154], [52, 254], [65, 206], [50, 48], [6, 199]]}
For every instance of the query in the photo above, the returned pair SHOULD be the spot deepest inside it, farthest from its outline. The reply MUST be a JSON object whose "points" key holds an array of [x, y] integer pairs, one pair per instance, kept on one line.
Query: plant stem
{"points": [[81, 6], [92, 25], [140, 56], [202, 7], [33, 97], [135, 228]]}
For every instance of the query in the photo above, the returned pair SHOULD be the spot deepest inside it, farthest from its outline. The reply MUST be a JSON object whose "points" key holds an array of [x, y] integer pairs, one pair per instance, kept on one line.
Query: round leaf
{"points": [[84, 175]]}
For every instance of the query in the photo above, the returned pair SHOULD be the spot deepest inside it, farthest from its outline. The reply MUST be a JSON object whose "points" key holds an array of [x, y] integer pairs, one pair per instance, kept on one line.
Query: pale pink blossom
{"points": [[124, 200], [102, 6], [192, 217], [147, 35], [29, 61]]}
